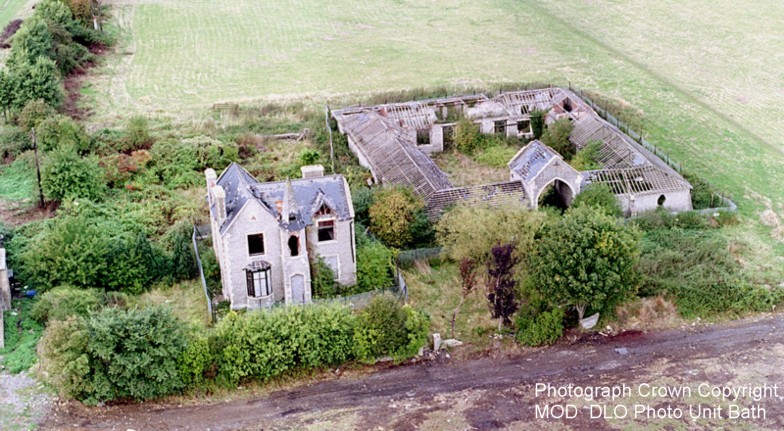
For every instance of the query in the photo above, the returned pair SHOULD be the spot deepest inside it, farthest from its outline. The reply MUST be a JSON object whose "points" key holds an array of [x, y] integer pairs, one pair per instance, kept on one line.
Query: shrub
{"points": [[309, 157], [65, 301], [496, 156], [702, 196], [468, 138], [586, 259], [36, 80], [392, 214], [471, 231], [385, 328], [60, 131], [537, 122], [373, 266], [116, 354], [196, 360], [21, 336], [263, 345], [13, 142], [599, 196], [137, 134], [587, 159], [70, 250], [181, 163], [557, 137], [544, 329], [34, 112], [322, 279], [362, 198], [183, 261], [66, 176]]}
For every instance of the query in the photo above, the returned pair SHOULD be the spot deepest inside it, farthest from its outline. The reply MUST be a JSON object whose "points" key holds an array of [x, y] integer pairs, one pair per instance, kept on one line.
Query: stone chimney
{"points": [[219, 197], [212, 179], [312, 171]]}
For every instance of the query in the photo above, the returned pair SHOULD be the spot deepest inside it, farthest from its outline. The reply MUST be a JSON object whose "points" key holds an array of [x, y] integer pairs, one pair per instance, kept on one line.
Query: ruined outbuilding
{"points": [[394, 140]]}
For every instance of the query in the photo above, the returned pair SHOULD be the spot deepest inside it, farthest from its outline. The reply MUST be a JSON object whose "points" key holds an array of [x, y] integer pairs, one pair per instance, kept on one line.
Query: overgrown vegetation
{"points": [[21, 336], [140, 354], [556, 136]]}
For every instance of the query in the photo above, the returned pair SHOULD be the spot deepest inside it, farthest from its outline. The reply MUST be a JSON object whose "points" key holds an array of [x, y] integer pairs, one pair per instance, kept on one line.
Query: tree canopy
{"points": [[587, 258]]}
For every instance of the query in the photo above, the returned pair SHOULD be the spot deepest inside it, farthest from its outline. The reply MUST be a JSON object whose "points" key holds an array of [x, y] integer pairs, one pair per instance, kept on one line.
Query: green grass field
{"points": [[707, 75]]}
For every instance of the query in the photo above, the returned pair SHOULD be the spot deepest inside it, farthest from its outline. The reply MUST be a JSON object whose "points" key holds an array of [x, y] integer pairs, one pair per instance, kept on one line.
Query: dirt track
{"points": [[490, 393]]}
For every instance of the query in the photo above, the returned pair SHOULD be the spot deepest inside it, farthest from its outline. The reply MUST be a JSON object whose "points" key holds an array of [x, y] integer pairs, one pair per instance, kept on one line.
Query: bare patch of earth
{"points": [[23, 402], [14, 213], [496, 393]]}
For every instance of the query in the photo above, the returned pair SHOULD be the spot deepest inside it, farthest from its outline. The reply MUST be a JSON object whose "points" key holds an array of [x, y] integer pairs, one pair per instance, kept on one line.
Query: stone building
{"points": [[394, 140], [265, 235]]}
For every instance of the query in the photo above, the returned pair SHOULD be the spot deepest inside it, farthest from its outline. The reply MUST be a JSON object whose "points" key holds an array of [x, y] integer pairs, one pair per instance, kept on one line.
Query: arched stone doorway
{"points": [[557, 193]]}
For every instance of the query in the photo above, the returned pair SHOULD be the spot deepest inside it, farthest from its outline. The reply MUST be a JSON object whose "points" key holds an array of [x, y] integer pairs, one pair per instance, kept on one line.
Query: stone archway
{"points": [[565, 191]]}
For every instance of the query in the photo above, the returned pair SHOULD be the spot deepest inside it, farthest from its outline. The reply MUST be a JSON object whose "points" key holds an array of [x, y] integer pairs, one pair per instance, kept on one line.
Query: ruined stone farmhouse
{"points": [[394, 140], [265, 234]]}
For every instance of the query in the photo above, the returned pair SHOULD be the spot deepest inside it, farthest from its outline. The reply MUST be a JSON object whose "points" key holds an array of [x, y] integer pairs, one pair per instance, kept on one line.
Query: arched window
{"points": [[661, 200], [294, 245]]}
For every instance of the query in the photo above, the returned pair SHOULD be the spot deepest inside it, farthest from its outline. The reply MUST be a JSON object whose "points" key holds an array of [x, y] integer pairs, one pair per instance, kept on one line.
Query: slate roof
{"points": [[393, 156], [531, 159], [309, 195]]}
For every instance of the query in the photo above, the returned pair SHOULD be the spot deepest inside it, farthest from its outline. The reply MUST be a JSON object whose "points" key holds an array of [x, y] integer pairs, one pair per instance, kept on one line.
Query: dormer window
{"points": [[324, 210]]}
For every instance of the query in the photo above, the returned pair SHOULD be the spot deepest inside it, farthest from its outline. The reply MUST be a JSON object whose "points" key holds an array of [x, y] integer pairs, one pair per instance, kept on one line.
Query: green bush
{"points": [[13, 141], [468, 138], [557, 137], [322, 279], [21, 337], [87, 250], [393, 215], [196, 360], [600, 196], [65, 301], [587, 159], [385, 328], [702, 196], [263, 345], [544, 329], [374, 261], [537, 122], [181, 163], [496, 156], [66, 176], [586, 259], [59, 131], [137, 134], [116, 354], [362, 199], [34, 112]]}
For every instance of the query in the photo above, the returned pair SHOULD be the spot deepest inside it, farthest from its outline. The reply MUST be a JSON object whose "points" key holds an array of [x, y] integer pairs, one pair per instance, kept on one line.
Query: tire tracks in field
{"points": [[683, 92]]}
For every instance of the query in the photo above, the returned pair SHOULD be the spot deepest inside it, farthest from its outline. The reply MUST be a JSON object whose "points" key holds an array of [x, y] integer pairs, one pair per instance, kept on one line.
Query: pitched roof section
{"points": [[308, 195], [532, 159], [393, 157]]}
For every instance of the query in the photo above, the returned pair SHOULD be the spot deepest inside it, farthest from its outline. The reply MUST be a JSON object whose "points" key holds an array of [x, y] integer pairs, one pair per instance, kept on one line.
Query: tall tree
{"points": [[586, 259], [501, 283]]}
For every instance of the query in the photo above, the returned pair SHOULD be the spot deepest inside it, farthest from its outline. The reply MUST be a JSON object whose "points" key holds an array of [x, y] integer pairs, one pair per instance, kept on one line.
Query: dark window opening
{"points": [[661, 200], [258, 283], [523, 109], [524, 126], [567, 105], [500, 127], [423, 137], [326, 230], [294, 245], [256, 244]]}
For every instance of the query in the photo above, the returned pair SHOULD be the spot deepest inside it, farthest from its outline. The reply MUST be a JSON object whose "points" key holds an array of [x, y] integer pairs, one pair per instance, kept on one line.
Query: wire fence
{"points": [[197, 232]]}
